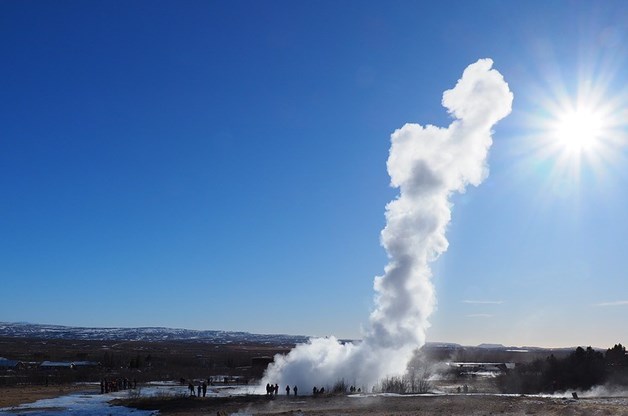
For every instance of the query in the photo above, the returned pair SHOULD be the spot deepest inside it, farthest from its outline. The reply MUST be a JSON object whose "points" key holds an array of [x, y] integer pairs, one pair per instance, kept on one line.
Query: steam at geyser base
{"points": [[427, 164]]}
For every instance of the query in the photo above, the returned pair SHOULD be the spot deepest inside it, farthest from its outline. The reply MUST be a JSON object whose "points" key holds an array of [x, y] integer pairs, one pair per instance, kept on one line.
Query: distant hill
{"points": [[39, 331], [491, 346]]}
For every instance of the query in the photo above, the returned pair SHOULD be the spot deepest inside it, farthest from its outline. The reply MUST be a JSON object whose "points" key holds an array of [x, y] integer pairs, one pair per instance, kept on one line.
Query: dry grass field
{"points": [[16, 395]]}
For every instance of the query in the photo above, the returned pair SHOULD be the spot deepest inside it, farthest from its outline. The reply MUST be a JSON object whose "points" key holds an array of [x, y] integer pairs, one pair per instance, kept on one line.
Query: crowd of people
{"points": [[107, 386], [273, 390]]}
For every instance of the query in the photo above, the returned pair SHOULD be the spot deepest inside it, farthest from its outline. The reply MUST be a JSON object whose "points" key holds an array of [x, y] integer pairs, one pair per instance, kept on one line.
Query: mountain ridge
{"points": [[150, 333], [48, 331]]}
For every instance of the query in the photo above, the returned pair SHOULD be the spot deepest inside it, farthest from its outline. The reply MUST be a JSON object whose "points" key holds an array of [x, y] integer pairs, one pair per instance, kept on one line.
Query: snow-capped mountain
{"points": [[27, 330]]}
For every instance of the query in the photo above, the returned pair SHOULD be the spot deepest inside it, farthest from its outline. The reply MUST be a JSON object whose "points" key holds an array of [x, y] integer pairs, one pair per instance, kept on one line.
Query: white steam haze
{"points": [[428, 164]]}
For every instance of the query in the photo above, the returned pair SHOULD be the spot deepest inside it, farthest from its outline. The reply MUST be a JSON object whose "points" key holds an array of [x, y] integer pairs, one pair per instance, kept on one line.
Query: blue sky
{"points": [[222, 165]]}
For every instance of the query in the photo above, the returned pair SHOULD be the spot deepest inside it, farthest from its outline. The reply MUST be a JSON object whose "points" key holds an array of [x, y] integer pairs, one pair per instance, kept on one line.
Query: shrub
{"points": [[340, 387], [394, 385]]}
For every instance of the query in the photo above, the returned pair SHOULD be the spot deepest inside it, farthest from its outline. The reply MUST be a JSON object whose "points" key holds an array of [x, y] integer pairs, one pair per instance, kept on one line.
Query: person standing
{"points": [[294, 389], [288, 390]]}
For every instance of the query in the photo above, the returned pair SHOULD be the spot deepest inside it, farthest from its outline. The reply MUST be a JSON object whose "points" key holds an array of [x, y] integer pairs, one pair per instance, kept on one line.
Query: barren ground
{"points": [[468, 405], [16, 395]]}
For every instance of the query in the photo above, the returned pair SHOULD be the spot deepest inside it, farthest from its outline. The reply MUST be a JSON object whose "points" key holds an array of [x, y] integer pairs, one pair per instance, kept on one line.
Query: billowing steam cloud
{"points": [[427, 164]]}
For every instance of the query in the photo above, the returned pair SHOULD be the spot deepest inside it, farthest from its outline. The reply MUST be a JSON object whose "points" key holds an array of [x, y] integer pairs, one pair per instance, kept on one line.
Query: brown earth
{"points": [[16, 395], [140, 360], [172, 360], [467, 405]]}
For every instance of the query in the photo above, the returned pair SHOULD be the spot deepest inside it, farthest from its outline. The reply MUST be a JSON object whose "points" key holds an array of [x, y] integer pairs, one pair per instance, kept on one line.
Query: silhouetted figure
{"points": [[458, 389], [359, 390], [204, 389], [288, 390], [322, 390], [198, 390], [268, 389], [276, 389], [465, 388], [102, 387], [314, 391], [294, 389], [191, 388]]}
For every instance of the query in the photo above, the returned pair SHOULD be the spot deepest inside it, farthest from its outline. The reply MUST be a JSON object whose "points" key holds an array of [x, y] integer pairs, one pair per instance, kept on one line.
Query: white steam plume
{"points": [[427, 164]]}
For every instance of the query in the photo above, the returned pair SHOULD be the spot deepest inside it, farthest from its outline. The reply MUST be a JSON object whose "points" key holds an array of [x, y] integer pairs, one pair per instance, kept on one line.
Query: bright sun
{"points": [[579, 136], [578, 130]]}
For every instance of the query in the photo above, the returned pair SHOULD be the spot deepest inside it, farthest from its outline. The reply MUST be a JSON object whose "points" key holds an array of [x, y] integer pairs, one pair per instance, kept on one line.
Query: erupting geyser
{"points": [[427, 164]]}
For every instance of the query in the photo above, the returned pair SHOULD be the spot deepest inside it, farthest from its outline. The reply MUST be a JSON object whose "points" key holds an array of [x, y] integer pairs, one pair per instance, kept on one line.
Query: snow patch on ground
{"points": [[94, 404], [78, 404]]}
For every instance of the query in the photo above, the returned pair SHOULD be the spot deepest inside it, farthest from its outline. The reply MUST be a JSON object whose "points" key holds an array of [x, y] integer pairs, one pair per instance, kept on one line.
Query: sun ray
{"points": [[580, 134], [575, 137]]}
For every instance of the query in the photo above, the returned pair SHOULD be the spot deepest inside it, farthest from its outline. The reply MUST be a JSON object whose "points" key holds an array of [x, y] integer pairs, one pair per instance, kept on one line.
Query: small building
{"points": [[6, 364], [81, 364], [58, 365], [55, 365]]}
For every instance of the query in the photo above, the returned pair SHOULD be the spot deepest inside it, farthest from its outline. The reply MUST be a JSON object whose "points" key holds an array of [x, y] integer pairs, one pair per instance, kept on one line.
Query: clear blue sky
{"points": [[222, 165]]}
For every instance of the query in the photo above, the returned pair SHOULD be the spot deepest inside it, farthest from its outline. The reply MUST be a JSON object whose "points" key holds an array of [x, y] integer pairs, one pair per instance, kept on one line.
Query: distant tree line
{"points": [[581, 370]]}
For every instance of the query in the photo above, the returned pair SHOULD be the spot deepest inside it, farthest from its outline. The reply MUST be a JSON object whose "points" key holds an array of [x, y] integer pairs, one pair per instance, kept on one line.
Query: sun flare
{"points": [[579, 130], [577, 136]]}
